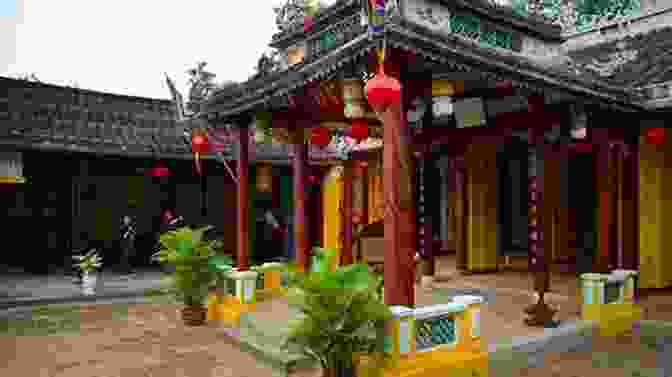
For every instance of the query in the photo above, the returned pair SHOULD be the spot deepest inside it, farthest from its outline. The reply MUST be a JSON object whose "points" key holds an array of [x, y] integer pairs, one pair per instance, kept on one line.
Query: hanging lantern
{"points": [[199, 145], [655, 136], [11, 167], [159, 170], [353, 99], [320, 136], [359, 130], [382, 90], [307, 23]]}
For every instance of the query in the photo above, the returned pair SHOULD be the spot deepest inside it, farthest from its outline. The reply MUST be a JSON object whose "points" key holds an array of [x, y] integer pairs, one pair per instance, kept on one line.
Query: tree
{"points": [[202, 84]]}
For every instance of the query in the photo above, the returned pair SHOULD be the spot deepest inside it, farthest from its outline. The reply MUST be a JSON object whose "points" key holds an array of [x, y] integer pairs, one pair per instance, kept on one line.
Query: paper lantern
{"points": [[11, 167], [159, 170], [655, 136], [307, 23], [320, 136], [199, 145], [382, 90], [359, 130]]}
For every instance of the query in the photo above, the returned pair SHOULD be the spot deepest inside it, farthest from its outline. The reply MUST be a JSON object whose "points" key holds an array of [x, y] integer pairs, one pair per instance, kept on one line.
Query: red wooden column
{"points": [[600, 139], [243, 244], [400, 234], [299, 162], [346, 247]]}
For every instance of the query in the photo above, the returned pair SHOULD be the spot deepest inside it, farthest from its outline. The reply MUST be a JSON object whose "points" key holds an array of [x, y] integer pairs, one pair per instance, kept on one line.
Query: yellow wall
{"points": [[654, 208], [376, 204]]}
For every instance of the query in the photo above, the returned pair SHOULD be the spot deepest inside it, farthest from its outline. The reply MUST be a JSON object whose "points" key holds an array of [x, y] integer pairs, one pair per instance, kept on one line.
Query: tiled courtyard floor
{"points": [[149, 341]]}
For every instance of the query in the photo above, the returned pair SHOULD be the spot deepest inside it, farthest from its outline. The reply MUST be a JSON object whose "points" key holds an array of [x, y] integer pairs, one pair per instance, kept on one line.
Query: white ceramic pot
{"points": [[89, 281]]}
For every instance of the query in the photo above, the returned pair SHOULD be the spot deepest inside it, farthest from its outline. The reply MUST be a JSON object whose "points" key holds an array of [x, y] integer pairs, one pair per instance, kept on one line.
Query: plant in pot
{"points": [[193, 259], [88, 263], [342, 314]]}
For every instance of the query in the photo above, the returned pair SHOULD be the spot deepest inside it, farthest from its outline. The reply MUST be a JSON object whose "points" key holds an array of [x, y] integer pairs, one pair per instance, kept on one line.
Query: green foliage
{"points": [[341, 311], [196, 264], [321, 258]]}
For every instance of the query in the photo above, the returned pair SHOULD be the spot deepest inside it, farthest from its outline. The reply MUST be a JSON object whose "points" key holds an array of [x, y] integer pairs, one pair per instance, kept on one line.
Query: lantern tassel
{"points": [[197, 161]]}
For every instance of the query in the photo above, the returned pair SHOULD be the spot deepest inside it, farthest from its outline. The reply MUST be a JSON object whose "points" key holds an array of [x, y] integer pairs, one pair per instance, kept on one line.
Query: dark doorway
{"points": [[512, 198]]}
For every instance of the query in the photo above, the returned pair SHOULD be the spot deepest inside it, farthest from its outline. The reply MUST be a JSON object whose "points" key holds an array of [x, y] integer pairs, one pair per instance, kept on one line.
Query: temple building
{"points": [[506, 131]]}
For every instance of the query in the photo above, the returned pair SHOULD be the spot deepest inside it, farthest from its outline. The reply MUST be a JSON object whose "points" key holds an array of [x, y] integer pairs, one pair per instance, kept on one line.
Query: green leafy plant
{"points": [[197, 266], [88, 262], [341, 314]]}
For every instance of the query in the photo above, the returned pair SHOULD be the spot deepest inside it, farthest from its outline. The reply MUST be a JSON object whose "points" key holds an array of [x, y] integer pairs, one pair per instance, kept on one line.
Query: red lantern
{"points": [[359, 130], [382, 90], [320, 136], [655, 136], [199, 145], [307, 23], [159, 170]]}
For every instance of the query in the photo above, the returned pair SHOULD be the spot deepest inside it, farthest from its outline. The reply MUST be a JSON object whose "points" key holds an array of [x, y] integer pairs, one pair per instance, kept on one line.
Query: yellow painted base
{"points": [[270, 293], [613, 319], [226, 309], [437, 363]]}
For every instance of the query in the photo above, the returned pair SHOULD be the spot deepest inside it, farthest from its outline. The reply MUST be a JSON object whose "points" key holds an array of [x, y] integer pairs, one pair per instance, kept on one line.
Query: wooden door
{"points": [[481, 188]]}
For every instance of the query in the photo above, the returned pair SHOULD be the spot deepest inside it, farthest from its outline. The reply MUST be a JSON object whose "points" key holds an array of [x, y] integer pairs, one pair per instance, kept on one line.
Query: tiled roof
{"points": [[632, 62]]}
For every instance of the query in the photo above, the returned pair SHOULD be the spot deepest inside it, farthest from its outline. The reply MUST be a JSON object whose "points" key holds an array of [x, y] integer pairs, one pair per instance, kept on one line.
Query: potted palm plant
{"points": [[341, 316], [194, 260], [88, 264]]}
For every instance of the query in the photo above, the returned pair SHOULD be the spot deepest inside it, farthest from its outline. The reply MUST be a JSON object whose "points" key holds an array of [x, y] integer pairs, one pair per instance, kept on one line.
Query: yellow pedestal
{"points": [[229, 312], [612, 319], [437, 363]]}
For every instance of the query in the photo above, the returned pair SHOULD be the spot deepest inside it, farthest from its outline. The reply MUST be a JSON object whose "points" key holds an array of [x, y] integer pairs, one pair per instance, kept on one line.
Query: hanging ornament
{"points": [[359, 130], [376, 15], [199, 145], [655, 136], [159, 170], [382, 90], [320, 136], [307, 23]]}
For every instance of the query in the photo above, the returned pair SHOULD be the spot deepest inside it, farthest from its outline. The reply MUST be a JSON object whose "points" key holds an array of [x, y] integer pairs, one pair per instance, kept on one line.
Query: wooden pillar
{"points": [[346, 247], [630, 211], [426, 198], [603, 174], [301, 244], [399, 221], [456, 172], [242, 249], [364, 171]]}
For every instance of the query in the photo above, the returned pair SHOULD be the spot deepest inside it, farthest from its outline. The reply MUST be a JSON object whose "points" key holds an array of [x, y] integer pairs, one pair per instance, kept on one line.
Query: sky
{"points": [[125, 46]]}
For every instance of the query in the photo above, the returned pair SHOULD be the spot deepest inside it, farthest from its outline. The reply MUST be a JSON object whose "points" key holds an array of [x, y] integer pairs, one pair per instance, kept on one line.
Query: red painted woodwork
{"points": [[301, 244], [242, 247]]}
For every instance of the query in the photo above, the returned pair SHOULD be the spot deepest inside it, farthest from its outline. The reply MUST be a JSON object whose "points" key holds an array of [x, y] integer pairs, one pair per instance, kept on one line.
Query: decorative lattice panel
{"points": [[435, 331], [497, 38]]}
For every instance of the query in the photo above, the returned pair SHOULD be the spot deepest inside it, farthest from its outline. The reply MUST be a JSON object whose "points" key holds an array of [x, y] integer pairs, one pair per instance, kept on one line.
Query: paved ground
{"points": [[17, 289], [147, 340]]}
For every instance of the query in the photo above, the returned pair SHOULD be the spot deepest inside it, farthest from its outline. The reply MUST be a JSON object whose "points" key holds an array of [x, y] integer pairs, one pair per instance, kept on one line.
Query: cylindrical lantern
{"points": [[655, 136], [11, 167], [264, 178], [382, 90], [320, 136], [353, 99]]}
